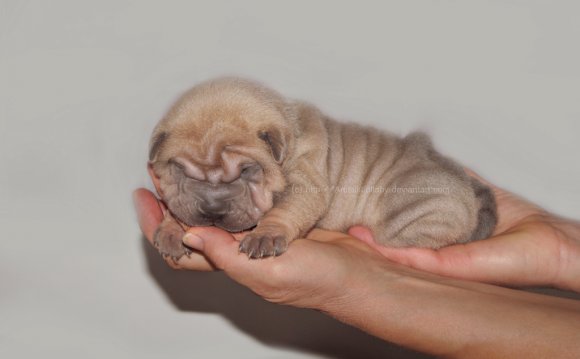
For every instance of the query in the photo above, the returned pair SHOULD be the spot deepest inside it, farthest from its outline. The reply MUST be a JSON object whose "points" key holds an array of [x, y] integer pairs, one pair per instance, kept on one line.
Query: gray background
{"points": [[82, 84]]}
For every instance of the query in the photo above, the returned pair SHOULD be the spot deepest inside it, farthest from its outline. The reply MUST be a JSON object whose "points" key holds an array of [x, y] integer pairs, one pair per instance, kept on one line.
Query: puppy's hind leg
{"points": [[487, 215], [430, 223]]}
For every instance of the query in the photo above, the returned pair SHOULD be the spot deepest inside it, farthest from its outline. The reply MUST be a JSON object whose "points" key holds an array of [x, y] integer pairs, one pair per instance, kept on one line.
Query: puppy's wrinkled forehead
{"points": [[212, 154], [212, 129]]}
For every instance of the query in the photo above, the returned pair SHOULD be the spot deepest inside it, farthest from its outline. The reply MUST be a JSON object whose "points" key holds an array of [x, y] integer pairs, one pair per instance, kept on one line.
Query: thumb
{"points": [[216, 244]]}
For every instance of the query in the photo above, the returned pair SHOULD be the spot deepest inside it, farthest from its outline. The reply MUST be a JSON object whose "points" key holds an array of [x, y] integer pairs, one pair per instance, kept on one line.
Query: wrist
{"points": [[568, 235]]}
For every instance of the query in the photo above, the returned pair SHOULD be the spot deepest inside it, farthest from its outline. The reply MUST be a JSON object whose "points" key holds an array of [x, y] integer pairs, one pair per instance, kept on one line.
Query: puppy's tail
{"points": [[487, 215]]}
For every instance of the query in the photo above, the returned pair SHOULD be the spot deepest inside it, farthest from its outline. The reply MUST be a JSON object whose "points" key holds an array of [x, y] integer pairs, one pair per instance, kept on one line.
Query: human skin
{"points": [[350, 280], [529, 247]]}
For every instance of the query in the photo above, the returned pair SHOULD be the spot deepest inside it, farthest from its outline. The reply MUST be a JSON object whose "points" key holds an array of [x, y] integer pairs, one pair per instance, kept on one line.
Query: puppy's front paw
{"points": [[167, 240], [257, 245]]}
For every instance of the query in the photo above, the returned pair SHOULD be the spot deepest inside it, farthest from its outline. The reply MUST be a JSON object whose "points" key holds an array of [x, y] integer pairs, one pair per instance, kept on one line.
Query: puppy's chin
{"points": [[226, 224], [235, 228], [191, 222]]}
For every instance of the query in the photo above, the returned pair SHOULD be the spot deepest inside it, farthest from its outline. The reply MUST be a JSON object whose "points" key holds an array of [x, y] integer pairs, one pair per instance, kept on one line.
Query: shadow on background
{"points": [[275, 325]]}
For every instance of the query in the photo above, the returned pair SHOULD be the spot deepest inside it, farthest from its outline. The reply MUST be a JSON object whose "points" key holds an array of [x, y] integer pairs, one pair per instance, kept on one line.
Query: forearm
{"points": [[461, 319]]}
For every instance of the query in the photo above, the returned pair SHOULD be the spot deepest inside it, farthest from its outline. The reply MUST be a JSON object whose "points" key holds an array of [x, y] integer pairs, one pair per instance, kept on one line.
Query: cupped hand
{"points": [[312, 273], [529, 247]]}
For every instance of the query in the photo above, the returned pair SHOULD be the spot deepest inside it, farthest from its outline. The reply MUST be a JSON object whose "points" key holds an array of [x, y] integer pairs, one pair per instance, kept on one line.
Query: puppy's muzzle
{"points": [[222, 193], [213, 209]]}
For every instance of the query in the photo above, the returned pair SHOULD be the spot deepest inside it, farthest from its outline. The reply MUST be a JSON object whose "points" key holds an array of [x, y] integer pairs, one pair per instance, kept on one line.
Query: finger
{"points": [[240, 235], [149, 212], [408, 256], [322, 235], [218, 246], [222, 251], [476, 175], [419, 258], [490, 261], [195, 261], [362, 233], [497, 191], [511, 209]]}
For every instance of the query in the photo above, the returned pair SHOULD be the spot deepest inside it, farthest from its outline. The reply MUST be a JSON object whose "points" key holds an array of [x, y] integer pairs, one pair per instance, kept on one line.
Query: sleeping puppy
{"points": [[235, 154]]}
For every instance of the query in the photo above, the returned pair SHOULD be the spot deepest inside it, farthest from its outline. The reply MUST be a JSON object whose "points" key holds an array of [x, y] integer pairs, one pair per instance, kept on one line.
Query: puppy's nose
{"points": [[213, 208]]}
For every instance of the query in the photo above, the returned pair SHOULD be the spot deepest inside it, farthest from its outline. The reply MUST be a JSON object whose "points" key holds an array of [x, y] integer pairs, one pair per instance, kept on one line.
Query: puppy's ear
{"points": [[154, 178], [275, 139], [156, 144]]}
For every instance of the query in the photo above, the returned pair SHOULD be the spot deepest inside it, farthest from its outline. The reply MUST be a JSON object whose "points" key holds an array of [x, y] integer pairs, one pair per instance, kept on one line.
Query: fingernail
{"points": [[193, 241]]}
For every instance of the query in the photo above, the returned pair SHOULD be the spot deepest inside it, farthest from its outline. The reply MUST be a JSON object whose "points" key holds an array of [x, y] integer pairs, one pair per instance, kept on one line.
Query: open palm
{"points": [[529, 247]]}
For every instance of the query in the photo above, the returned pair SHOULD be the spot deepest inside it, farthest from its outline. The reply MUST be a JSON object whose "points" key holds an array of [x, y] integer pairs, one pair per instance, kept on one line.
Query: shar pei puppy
{"points": [[235, 154]]}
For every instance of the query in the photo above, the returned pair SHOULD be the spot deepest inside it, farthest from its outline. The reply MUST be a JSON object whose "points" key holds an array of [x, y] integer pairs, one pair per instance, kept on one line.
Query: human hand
{"points": [[312, 273], [352, 282], [529, 247]]}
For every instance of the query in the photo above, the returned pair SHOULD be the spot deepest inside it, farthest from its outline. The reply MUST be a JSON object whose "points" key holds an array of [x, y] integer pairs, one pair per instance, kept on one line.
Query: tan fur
{"points": [[309, 170]]}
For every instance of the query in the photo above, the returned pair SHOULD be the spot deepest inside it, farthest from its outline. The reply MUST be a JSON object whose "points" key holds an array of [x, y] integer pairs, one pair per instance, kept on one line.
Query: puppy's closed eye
{"points": [[176, 164], [251, 172], [176, 168]]}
